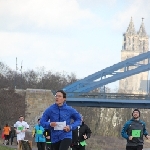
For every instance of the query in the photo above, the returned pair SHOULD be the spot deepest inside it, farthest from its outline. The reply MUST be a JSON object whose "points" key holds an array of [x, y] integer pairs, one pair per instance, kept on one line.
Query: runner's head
{"points": [[60, 97], [21, 118], [136, 113], [39, 121]]}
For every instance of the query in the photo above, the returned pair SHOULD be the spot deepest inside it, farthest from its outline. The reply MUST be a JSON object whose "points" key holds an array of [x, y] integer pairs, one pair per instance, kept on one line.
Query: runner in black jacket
{"points": [[133, 132], [79, 135], [47, 135]]}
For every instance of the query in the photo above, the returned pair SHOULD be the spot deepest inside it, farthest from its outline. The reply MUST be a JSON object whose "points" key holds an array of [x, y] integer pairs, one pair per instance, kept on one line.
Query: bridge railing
{"points": [[108, 95]]}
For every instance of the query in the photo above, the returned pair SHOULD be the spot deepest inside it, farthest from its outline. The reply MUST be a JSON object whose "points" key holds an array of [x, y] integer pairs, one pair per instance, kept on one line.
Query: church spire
{"points": [[131, 28], [142, 31]]}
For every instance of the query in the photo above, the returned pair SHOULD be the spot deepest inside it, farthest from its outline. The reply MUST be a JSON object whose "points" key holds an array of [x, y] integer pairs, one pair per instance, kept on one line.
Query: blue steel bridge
{"points": [[78, 93]]}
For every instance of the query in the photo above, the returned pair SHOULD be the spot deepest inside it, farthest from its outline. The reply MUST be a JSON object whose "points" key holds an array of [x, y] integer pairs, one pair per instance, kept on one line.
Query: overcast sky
{"points": [[79, 36]]}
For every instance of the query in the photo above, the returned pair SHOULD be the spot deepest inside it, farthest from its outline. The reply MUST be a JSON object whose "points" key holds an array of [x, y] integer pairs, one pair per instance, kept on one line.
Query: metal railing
{"points": [[108, 95]]}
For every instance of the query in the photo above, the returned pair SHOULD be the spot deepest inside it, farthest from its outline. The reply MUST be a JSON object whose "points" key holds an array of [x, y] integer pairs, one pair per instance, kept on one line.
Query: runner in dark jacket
{"points": [[47, 135], [12, 134], [79, 135], [133, 132]]}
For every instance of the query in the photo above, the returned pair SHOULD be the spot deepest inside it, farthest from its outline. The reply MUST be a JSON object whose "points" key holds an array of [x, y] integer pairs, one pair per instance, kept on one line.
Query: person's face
{"points": [[59, 100], [136, 114], [39, 122], [21, 119]]}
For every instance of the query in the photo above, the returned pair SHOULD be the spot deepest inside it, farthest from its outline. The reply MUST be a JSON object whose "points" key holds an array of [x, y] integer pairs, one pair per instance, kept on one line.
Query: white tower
{"points": [[134, 43]]}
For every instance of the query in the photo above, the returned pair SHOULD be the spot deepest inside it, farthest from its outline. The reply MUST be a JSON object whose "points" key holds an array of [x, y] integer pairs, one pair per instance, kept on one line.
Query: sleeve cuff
{"points": [[70, 128]]}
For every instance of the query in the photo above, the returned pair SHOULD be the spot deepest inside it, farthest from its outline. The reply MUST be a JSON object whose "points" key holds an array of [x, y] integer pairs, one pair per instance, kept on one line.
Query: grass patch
{"points": [[6, 148]]}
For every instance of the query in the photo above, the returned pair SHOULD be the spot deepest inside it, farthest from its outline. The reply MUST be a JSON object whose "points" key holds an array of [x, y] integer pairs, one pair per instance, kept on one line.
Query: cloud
{"points": [[95, 3], [62, 35], [54, 53], [135, 9], [50, 14]]}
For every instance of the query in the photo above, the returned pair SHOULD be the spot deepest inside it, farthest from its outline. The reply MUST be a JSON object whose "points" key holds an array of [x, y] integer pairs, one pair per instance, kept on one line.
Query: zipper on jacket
{"points": [[59, 114], [38, 136], [78, 134]]}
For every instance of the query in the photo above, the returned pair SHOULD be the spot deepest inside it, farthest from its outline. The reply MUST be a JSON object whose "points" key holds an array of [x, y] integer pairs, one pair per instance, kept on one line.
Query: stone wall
{"points": [[30, 103], [36, 101], [109, 121]]}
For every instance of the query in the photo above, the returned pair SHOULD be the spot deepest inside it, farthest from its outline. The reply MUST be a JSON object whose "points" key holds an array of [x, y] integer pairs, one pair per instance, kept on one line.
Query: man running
{"points": [[79, 135], [60, 116], [133, 132], [38, 133], [21, 127], [6, 131]]}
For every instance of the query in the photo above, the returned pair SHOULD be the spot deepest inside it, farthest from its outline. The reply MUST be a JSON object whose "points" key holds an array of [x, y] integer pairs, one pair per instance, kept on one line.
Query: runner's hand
{"points": [[48, 137], [66, 128], [85, 137], [23, 130], [53, 124], [148, 137], [130, 137]]}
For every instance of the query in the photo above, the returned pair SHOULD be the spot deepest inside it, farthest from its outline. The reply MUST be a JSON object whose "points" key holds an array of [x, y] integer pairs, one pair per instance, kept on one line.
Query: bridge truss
{"points": [[111, 74], [105, 76]]}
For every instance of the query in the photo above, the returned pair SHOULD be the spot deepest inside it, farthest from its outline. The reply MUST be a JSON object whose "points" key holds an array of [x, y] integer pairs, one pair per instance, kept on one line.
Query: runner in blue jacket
{"points": [[60, 116], [133, 132], [38, 133]]}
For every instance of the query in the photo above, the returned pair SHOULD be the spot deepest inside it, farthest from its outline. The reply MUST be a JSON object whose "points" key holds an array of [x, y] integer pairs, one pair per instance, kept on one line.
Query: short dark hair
{"points": [[136, 110], [21, 116], [39, 119], [61, 91]]}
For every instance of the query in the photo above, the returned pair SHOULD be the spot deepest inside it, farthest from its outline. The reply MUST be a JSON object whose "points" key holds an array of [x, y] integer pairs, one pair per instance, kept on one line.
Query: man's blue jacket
{"points": [[62, 113]]}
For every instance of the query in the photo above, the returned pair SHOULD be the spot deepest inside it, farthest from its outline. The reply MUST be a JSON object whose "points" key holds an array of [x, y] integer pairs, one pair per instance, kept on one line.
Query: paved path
{"points": [[37, 149], [15, 147]]}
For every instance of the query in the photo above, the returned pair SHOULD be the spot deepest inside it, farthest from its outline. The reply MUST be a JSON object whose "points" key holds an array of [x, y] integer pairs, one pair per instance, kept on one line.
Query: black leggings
{"points": [[78, 147], [41, 145], [48, 146], [139, 147], [6, 137], [62, 145]]}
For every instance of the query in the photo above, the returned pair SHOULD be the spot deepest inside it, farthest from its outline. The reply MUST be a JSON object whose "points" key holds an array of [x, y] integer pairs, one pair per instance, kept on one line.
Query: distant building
{"points": [[134, 43]]}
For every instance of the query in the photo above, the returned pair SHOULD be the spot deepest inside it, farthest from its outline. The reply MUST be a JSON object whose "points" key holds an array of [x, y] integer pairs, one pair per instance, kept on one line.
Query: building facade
{"points": [[134, 43]]}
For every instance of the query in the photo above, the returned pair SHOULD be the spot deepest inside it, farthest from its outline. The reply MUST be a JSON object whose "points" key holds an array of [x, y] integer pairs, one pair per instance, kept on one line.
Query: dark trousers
{"points": [[48, 146], [78, 147], [12, 138], [62, 145], [41, 145], [7, 139], [139, 147]]}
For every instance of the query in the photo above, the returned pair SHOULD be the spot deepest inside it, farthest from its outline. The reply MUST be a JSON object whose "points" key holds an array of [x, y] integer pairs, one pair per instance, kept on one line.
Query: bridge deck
{"points": [[108, 103]]}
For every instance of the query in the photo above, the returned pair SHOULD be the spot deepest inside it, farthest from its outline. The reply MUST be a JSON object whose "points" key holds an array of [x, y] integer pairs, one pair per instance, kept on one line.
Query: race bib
{"points": [[20, 128], [39, 132], [136, 133], [83, 143]]}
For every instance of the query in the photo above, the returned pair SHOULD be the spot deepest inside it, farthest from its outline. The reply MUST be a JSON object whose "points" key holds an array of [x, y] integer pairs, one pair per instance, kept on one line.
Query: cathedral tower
{"points": [[134, 43]]}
